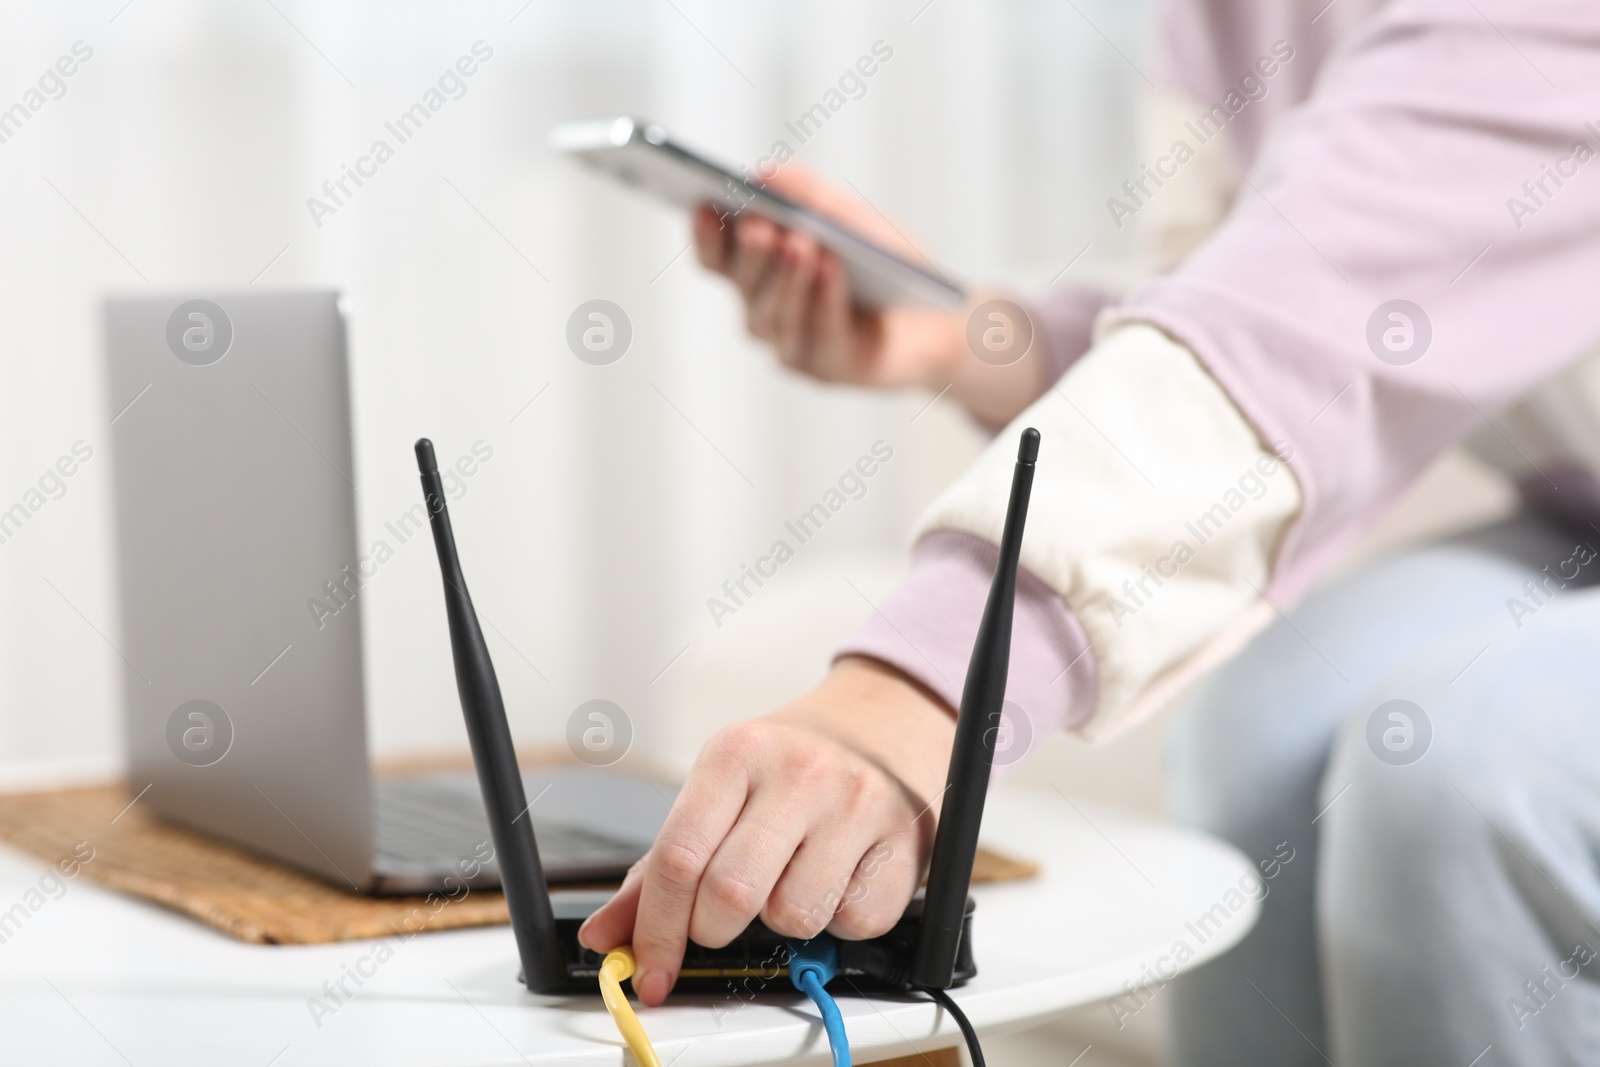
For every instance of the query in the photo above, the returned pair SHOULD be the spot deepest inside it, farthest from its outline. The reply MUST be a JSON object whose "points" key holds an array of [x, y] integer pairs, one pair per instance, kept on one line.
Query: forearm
{"points": [[927, 627], [1156, 516]]}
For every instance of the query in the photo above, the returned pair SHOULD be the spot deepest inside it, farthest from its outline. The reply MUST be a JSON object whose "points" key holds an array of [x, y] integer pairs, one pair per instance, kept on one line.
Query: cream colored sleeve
{"points": [[1156, 515]]}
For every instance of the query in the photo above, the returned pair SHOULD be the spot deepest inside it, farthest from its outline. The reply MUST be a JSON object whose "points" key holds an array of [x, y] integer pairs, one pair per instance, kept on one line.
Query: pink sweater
{"points": [[1438, 152]]}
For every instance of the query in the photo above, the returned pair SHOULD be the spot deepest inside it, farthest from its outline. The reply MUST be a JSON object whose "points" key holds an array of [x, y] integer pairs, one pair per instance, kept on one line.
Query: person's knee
{"points": [[1469, 759], [1256, 735], [1391, 795]]}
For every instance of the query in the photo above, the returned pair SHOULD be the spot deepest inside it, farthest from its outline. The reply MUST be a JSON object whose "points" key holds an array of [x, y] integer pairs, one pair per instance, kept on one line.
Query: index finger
{"points": [[706, 810]]}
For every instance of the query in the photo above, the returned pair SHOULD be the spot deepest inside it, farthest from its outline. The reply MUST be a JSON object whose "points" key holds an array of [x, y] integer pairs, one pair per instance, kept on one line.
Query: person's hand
{"points": [[817, 817], [797, 297]]}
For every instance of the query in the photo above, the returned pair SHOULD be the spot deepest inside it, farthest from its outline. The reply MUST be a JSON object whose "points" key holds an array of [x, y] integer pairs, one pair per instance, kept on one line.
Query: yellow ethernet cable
{"points": [[617, 967]]}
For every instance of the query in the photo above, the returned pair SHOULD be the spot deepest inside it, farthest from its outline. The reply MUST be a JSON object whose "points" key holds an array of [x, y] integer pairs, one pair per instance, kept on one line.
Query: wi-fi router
{"points": [[929, 949]]}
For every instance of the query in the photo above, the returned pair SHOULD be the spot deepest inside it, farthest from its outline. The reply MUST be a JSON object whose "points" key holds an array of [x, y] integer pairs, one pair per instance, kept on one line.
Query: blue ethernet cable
{"points": [[812, 965]]}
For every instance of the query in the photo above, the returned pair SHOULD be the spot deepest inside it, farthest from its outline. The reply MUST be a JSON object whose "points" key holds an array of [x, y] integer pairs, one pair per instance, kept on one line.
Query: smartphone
{"points": [[641, 154]]}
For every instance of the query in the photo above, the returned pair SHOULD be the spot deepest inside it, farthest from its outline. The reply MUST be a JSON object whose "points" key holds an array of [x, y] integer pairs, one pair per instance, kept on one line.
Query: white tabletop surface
{"points": [[94, 977]]}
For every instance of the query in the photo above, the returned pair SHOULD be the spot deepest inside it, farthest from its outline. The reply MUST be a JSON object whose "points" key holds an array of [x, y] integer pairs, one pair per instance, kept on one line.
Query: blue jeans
{"points": [[1425, 735]]}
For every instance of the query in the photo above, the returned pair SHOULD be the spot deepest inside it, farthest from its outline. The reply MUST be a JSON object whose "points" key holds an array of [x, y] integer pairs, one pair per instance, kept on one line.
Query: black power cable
{"points": [[967, 1032]]}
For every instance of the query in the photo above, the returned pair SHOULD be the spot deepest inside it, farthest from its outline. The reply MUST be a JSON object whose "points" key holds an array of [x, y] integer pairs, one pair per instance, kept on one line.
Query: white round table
{"points": [[94, 977]]}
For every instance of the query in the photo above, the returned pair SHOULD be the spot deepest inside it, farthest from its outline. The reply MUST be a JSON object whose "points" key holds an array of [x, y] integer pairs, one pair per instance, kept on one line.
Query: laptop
{"points": [[245, 712]]}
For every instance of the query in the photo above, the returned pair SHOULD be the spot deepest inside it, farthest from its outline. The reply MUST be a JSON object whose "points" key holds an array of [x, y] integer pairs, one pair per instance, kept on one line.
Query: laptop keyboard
{"points": [[434, 827]]}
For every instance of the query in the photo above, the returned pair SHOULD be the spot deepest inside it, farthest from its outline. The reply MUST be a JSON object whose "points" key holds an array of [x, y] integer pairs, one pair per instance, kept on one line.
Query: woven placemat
{"points": [[244, 895]]}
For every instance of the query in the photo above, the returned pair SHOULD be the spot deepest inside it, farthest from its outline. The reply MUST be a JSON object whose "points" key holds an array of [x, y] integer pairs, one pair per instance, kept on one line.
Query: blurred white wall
{"points": [[180, 157]]}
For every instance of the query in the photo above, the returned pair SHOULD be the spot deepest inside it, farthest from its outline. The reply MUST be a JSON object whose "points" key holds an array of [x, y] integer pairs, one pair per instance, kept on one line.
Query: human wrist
{"points": [[993, 390], [926, 629], [883, 715], [941, 336]]}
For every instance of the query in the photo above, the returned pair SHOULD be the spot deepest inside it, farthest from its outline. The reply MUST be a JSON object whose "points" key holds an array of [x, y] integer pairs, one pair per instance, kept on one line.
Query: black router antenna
{"points": [[499, 779], [972, 753]]}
